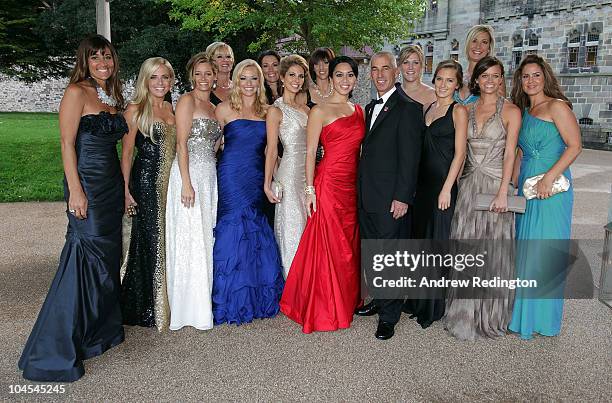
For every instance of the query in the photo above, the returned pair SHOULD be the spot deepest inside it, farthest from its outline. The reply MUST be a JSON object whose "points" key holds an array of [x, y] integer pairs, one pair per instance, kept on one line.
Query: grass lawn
{"points": [[30, 159]]}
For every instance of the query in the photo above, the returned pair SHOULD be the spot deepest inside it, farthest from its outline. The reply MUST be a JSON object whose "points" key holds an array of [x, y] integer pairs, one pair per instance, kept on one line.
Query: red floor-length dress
{"points": [[322, 289]]}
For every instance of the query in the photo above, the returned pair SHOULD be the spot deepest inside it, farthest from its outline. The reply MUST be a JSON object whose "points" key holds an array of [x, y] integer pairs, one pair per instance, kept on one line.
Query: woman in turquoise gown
{"points": [[549, 142]]}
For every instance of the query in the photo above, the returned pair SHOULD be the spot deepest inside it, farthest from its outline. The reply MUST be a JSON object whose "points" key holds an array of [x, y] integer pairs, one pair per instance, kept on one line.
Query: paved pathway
{"points": [[272, 360]]}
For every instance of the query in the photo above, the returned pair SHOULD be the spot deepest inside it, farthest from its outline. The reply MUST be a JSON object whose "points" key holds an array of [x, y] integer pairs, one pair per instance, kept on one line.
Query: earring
{"points": [[214, 86]]}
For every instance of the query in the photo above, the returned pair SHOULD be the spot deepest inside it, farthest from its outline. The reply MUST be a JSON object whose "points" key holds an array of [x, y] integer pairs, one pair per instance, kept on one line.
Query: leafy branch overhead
{"points": [[307, 23]]}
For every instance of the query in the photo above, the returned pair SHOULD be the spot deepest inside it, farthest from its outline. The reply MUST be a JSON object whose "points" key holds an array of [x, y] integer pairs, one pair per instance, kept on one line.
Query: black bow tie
{"points": [[376, 101]]}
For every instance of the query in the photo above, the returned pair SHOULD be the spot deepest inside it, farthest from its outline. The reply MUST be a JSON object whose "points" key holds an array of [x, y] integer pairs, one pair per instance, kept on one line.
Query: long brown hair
{"points": [[88, 47], [551, 85]]}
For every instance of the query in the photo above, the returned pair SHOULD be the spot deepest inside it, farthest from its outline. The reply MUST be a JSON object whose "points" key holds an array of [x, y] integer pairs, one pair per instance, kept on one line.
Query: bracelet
{"points": [[309, 190]]}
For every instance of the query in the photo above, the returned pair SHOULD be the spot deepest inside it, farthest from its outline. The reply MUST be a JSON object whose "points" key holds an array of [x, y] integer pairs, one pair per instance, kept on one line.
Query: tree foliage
{"points": [[311, 23], [19, 43], [39, 39]]}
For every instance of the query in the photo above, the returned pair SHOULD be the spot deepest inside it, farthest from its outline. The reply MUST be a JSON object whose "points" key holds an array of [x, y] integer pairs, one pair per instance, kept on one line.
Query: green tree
{"points": [[20, 46], [313, 23], [38, 39]]}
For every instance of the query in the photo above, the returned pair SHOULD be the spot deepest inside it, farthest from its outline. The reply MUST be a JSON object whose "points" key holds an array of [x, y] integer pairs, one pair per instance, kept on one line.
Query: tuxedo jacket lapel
{"points": [[368, 110]]}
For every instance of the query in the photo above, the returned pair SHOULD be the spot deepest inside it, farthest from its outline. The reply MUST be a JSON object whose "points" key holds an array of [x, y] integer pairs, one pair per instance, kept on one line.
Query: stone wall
{"points": [[40, 96], [45, 95], [518, 25]]}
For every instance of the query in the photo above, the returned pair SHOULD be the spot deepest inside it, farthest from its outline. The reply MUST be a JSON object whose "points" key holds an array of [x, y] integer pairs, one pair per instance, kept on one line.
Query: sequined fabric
{"points": [[290, 215], [189, 231], [144, 299]]}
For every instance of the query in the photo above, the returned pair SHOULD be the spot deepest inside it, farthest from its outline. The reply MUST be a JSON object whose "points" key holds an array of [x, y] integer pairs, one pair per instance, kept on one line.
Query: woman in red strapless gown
{"points": [[323, 286]]}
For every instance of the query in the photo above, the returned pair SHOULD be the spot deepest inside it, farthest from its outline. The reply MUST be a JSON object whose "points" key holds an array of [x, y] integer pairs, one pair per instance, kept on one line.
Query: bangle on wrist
{"points": [[309, 190]]}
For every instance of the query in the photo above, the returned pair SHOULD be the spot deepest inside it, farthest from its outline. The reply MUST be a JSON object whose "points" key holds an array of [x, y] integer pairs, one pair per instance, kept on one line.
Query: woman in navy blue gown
{"points": [[81, 317], [247, 272]]}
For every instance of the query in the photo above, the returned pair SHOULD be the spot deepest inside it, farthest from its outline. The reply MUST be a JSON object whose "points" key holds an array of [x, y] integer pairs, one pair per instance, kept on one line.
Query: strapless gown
{"points": [[189, 231], [144, 298], [323, 286], [247, 270], [81, 317]]}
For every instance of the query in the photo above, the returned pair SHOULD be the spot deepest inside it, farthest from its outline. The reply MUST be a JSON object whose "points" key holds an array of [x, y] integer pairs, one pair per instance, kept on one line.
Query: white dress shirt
{"points": [[379, 107]]}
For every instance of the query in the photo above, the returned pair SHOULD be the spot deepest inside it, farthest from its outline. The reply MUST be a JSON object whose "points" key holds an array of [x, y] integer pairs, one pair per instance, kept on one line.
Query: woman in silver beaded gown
{"points": [[144, 300], [286, 121], [191, 211], [492, 138]]}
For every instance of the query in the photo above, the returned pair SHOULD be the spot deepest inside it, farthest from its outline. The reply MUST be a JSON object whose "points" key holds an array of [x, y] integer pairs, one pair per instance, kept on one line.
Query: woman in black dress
{"points": [[81, 317], [222, 56], [410, 62], [443, 153], [269, 61]]}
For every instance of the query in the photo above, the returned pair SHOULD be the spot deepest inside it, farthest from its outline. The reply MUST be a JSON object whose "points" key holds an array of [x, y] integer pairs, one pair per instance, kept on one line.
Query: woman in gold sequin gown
{"points": [[286, 122], [191, 210], [151, 121]]}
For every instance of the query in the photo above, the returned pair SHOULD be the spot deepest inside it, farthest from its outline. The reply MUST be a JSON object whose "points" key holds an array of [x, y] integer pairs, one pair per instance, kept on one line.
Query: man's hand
{"points": [[398, 209]]}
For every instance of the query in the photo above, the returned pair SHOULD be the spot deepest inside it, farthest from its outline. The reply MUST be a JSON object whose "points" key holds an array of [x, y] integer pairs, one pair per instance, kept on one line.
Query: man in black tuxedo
{"points": [[388, 173]]}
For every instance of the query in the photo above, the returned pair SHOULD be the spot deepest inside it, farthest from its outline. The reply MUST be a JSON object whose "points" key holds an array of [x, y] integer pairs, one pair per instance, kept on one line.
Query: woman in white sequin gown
{"points": [[286, 121], [191, 210]]}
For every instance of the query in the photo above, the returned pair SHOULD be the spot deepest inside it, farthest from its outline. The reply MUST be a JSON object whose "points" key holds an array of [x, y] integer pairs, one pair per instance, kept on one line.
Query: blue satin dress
{"points": [[247, 270], [81, 316], [548, 219]]}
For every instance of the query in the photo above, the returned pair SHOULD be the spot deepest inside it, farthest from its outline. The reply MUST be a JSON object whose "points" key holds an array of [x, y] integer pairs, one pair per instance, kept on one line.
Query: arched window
{"points": [[574, 36], [533, 39], [455, 45], [517, 40], [429, 47], [593, 35]]}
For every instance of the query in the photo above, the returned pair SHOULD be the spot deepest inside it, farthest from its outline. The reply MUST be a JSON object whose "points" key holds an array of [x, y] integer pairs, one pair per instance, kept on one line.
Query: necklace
{"points": [[318, 91], [103, 96], [226, 86]]}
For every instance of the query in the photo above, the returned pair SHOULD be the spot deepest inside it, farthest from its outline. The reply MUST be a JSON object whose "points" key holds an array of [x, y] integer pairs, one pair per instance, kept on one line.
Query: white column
{"points": [[103, 18]]}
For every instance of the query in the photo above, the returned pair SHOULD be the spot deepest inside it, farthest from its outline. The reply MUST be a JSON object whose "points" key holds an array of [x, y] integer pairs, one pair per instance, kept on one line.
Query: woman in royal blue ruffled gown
{"points": [[81, 317], [247, 272]]}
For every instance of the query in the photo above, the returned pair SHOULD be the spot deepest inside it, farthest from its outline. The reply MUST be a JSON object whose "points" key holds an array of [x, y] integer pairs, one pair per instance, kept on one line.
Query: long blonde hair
{"points": [[144, 114], [235, 94]]}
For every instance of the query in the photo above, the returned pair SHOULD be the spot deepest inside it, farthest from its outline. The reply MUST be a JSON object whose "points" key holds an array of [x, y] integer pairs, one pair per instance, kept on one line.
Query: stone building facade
{"points": [[574, 36]]}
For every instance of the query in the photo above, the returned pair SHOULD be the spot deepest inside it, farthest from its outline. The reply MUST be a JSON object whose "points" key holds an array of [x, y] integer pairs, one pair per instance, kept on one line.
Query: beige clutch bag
{"points": [[516, 204], [277, 189], [561, 184]]}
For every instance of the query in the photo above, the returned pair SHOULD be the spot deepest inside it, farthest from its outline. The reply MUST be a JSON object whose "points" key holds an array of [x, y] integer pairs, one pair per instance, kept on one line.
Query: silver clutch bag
{"points": [[516, 204], [277, 189], [561, 184]]}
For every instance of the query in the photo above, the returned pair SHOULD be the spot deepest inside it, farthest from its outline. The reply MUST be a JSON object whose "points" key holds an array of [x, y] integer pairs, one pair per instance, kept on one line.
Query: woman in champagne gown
{"points": [[191, 209], [144, 300], [322, 289], [247, 271], [487, 170], [81, 316], [549, 142], [286, 122]]}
